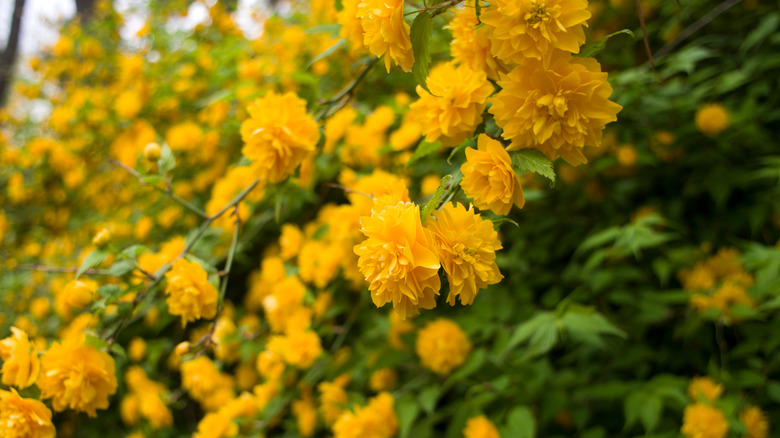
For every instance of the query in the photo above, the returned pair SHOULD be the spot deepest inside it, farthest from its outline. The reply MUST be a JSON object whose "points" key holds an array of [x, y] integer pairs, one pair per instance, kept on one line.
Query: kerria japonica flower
{"points": [[398, 259], [558, 108], [533, 29], [385, 32]]}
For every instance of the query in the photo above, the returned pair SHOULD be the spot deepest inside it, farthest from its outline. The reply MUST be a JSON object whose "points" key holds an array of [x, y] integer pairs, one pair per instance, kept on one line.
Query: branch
{"points": [[644, 33], [60, 269], [436, 9], [8, 56], [342, 97], [168, 192], [698, 24]]}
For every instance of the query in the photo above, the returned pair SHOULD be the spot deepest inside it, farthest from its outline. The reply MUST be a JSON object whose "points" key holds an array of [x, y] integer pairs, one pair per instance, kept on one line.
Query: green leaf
{"points": [[472, 365], [92, 260], [446, 184], [424, 149], [407, 410], [428, 397], [479, 10], [599, 45], [521, 423], [167, 161], [110, 291], [121, 268], [542, 340], [132, 252], [96, 342], [329, 51], [593, 323], [650, 412], [420, 34], [532, 160], [526, 329], [125, 310]]}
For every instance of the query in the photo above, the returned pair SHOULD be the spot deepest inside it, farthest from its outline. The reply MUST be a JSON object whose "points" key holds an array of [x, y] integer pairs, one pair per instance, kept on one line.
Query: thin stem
{"points": [[346, 92], [169, 192], [59, 269], [436, 9], [644, 33], [698, 24]]}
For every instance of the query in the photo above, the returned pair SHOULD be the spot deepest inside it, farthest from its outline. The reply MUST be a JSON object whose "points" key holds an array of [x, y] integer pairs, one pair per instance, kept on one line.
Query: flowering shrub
{"points": [[393, 219]]}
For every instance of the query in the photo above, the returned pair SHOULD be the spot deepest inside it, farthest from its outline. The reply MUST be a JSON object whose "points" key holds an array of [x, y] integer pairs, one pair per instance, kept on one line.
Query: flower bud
{"points": [[79, 294], [152, 152], [102, 238], [182, 348]]}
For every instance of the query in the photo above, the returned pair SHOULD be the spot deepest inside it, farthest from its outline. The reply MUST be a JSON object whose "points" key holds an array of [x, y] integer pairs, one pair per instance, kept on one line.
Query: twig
{"points": [[346, 190], [160, 273], [169, 192], [208, 339], [644, 33], [346, 92], [60, 269], [436, 9], [698, 24]]}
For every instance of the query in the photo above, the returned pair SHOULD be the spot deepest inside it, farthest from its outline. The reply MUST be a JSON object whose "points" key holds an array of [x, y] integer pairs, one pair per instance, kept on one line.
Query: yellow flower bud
{"points": [[79, 293], [152, 152], [182, 348], [102, 238], [137, 349]]}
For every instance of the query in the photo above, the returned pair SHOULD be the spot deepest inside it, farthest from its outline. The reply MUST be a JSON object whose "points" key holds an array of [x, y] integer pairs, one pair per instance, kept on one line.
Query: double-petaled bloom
{"points": [[385, 32], [558, 107], [398, 259], [453, 108], [488, 177], [190, 295], [278, 135]]}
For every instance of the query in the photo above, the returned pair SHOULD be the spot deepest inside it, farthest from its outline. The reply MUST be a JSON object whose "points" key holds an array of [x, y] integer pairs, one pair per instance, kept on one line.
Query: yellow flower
{"points": [[190, 295], [337, 124], [480, 427], [466, 245], [385, 32], [442, 346], [305, 415], [704, 389], [453, 108], [557, 107], [712, 119], [704, 421], [729, 294], [698, 278], [278, 135], [318, 262], [79, 293], [136, 350], [77, 376], [201, 378], [24, 417], [755, 421], [128, 104], [383, 379], [283, 304], [333, 398], [290, 241], [226, 189], [532, 29], [470, 45], [351, 26], [488, 177], [376, 191], [375, 420], [20, 360], [151, 395], [299, 348], [397, 259]]}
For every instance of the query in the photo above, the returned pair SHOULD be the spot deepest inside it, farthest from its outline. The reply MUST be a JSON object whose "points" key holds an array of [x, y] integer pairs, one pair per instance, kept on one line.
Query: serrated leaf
{"points": [[543, 340], [121, 268], [593, 323], [327, 52], [532, 160], [92, 260], [599, 45], [420, 34], [110, 291], [132, 252], [472, 365], [167, 161], [118, 350], [428, 397], [521, 423], [424, 149], [526, 329]]}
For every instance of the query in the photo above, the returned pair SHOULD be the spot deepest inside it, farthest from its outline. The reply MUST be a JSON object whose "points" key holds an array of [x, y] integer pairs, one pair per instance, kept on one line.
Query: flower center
{"points": [[537, 14], [556, 104]]}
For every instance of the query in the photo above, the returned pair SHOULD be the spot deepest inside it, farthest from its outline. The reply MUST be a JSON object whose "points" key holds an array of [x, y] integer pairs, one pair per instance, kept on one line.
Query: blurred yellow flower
{"points": [[190, 295], [375, 420], [398, 260], [470, 45], [558, 106], [755, 421], [79, 293], [290, 241], [278, 135], [333, 399], [442, 346], [488, 177], [533, 29], [383, 379], [204, 382], [24, 417], [151, 395], [704, 421], [480, 427], [712, 119], [453, 108], [20, 360], [466, 245], [385, 32], [351, 26], [77, 376], [305, 415], [704, 389], [299, 348]]}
